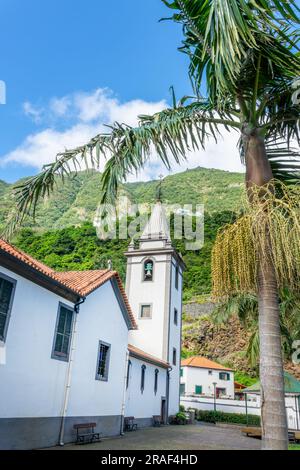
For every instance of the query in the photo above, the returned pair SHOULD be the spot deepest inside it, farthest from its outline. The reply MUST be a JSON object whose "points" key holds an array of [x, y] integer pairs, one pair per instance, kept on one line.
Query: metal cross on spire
{"points": [[159, 189]]}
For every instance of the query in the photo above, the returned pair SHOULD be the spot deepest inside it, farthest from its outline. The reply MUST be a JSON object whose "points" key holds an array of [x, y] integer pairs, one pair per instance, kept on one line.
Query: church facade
{"points": [[75, 347]]}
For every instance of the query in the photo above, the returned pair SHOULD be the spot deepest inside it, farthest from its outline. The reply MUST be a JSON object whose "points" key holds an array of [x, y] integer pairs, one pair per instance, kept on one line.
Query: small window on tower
{"points": [[146, 311], [176, 277], [175, 316], [148, 270], [174, 357]]}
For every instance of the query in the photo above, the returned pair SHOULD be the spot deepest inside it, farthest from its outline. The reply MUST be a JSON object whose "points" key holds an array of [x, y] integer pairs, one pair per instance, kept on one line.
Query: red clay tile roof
{"points": [[239, 386], [202, 362], [136, 352], [81, 283], [20, 255]]}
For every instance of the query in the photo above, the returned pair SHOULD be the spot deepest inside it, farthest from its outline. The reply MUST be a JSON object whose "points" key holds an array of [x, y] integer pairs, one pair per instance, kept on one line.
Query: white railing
{"points": [[226, 405]]}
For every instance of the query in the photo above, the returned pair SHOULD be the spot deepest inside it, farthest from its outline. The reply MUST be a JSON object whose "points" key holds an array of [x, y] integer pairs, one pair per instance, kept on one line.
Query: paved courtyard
{"points": [[197, 437]]}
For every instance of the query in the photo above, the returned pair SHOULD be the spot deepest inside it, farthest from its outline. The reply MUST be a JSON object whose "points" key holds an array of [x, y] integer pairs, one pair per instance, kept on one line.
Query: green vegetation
{"points": [[294, 447], [221, 417], [180, 418], [76, 201], [244, 379], [79, 248]]}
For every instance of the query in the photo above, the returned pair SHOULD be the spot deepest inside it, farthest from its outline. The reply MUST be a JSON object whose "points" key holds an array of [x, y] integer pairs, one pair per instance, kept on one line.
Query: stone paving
{"points": [[194, 437]]}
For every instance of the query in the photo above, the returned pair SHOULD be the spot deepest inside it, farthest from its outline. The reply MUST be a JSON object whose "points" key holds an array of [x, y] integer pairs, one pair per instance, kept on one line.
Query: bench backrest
{"points": [[157, 418], [84, 426], [129, 418]]}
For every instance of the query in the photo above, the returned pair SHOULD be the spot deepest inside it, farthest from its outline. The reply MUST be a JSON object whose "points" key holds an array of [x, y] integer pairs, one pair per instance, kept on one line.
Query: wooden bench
{"points": [[130, 424], [294, 436], [157, 421], [252, 431], [89, 435]]}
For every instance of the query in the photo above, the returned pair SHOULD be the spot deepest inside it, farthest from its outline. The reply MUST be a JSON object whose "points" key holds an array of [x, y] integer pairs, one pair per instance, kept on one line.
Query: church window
{"points": [[103, 361], [128, 373], [148, 270], [143, 373], [146, 311], [7, 288], [156, 380], [63, 333]]}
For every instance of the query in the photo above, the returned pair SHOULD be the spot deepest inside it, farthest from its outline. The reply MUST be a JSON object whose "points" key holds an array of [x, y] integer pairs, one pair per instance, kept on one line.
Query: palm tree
{"points": [[246, 53]]}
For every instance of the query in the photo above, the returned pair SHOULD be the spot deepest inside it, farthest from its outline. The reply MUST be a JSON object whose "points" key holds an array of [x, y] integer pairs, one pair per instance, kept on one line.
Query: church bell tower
{"points": [[154, 288]]}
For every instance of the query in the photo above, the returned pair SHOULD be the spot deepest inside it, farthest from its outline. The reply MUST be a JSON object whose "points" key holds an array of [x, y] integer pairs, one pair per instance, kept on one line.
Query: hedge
{"points": [[221, 417]]}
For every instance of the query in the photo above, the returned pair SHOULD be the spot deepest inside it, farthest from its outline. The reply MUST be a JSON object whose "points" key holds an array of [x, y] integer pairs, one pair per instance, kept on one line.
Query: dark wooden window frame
{"points": [[103, 378], [11, 300], [56, 354], [129, 365], [156, 381], [143, 376]]}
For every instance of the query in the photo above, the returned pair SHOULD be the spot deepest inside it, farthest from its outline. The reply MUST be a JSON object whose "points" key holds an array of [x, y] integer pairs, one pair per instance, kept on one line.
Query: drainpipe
{"points": [[168, 393], [69, 373], [124, 395]]}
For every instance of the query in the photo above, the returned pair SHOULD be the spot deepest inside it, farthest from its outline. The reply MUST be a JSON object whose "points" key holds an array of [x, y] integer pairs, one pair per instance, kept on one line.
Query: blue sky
{"points": [[71, 66]]}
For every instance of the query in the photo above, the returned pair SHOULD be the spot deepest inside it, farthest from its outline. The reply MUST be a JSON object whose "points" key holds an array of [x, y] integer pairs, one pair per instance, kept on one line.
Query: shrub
{"points": [[181, 409], [180, 418], [221, 417]]}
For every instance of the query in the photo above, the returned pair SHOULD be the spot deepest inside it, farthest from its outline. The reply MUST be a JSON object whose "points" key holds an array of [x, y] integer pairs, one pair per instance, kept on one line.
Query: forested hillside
{"points": [[63, 236], [78, 248], [76, 201]]}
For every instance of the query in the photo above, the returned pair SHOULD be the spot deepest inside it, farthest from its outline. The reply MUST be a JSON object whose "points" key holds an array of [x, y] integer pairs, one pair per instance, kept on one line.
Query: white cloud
{"points": [[59, 106], [72, 120], [34, 112]]}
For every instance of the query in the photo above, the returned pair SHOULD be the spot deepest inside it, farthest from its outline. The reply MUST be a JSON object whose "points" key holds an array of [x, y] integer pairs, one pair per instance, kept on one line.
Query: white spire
{"points": [[157, 227]]}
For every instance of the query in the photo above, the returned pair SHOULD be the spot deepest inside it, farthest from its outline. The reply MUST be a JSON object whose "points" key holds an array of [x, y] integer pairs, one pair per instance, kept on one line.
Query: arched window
{"points": [[148, 270], [156, 380], [176, 277], [128, 373], [143, 372]]}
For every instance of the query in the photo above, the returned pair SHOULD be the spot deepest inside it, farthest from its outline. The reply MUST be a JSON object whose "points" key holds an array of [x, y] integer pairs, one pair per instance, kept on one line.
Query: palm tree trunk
{"points": [[273, 413]]}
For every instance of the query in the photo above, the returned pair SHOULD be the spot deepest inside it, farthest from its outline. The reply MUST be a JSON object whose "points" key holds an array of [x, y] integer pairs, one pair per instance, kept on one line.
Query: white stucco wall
{"points": [[175, 339], [100, 319], [32, 383], [146, 404], [193, 376]]}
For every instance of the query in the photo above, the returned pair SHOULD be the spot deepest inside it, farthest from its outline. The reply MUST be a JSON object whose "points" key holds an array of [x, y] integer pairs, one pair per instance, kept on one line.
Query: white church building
{"points": [[76, 347]]}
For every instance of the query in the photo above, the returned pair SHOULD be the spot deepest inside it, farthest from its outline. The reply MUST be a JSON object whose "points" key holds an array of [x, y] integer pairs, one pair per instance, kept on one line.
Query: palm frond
{"points": [[285, 162], [252, 352], [170, 133], [218, 35]]}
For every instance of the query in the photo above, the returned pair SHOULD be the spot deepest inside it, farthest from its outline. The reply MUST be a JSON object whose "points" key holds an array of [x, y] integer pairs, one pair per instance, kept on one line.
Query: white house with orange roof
{"points": [[201, 377], [75, 348]]}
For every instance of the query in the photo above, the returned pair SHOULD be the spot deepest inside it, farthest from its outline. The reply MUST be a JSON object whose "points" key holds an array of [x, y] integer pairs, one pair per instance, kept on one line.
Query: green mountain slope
{"points": [[76, 201]]}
